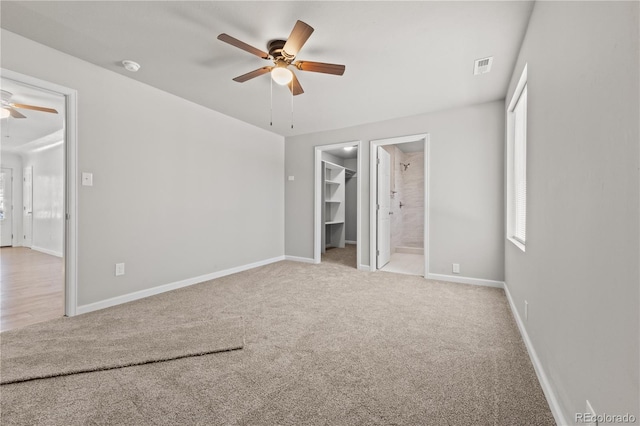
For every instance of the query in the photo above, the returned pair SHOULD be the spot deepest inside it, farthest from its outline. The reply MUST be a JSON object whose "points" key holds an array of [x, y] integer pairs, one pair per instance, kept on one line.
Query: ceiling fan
{"points": [[10, 109], [283, 54]]}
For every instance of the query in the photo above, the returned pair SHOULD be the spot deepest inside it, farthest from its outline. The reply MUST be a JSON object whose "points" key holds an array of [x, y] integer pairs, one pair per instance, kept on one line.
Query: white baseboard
{"points": [[83, 309], [350, 242], [364, 268], [552, 400], [300, 259], [47, 251], [466, 280]]}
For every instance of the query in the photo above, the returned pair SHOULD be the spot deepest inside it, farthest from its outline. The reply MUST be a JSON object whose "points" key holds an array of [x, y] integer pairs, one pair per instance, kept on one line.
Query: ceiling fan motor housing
{"points": [[275, 50]]}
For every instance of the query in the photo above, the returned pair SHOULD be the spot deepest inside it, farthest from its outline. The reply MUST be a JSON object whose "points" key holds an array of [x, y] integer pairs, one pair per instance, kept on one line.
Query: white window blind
{"points": [[520, 168]]}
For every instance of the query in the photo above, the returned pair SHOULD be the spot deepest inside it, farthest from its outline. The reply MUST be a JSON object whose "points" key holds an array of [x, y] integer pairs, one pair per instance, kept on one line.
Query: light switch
{"points": [[291, 178], [87, 179]]}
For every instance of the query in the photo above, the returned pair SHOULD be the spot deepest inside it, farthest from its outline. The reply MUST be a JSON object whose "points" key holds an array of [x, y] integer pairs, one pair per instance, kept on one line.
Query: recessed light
{"points": [[348, 148], [130, 65]]}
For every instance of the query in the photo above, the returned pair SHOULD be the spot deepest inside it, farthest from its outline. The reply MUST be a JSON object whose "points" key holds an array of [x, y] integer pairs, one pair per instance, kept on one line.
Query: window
{"points": [[517, 164]]}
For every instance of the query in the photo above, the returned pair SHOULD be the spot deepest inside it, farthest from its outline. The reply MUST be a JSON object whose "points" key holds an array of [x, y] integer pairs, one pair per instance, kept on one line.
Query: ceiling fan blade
{"points": [[35, 108], [295, 86], [242, 45], [253, 74], [299, 35], [16, 114], [322, 67]]}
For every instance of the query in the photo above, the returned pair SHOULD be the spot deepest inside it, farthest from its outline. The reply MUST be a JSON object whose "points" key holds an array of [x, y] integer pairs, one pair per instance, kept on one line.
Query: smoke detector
{"points": [[130, 65], [482, 66]]}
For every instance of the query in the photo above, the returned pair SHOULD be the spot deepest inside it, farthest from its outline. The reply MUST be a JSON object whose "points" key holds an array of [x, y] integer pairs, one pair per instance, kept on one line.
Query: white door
{"points": [[6, 208], [27, 209], [384, 208]]}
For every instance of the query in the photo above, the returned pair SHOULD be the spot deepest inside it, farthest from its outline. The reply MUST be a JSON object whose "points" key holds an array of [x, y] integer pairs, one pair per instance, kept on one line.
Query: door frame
{"points": [[71, 182], [373, 185], [317, 212]]}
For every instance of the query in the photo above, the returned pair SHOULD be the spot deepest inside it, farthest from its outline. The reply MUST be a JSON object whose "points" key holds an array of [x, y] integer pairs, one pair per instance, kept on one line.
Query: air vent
{"points": [[482, 66]]}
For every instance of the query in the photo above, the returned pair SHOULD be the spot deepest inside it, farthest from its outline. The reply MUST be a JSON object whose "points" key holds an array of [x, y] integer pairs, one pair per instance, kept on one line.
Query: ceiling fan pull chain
{"points": [[271, 112], [291, 103]]}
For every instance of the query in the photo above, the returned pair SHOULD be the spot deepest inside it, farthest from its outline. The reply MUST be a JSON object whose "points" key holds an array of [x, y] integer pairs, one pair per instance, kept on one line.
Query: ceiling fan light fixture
{"points": [[4, 113], [281, 75]]}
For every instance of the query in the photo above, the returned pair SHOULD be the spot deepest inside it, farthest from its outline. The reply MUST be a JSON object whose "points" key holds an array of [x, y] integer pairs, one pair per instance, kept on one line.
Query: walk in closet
{"points": [[334, 179]]}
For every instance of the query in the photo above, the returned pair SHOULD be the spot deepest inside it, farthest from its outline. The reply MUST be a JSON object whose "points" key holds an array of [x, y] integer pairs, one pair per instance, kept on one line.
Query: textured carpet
{"points": [[324, 344], [71, 347]]}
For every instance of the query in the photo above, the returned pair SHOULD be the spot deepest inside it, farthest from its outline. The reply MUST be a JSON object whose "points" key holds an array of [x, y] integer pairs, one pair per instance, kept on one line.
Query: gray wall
{"points": [[351, 202], [466, 203], [580, 270], [179, 190]]}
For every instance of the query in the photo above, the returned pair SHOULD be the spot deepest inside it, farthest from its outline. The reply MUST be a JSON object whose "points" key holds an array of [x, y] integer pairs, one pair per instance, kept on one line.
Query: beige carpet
{"points": [[71, 347], [325, 344]]}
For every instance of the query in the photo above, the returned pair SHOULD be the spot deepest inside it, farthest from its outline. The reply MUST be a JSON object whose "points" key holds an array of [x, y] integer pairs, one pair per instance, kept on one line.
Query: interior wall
{"points": [[580, 272], [48, 199], [351, 202], [466, 200], [179, 190]]}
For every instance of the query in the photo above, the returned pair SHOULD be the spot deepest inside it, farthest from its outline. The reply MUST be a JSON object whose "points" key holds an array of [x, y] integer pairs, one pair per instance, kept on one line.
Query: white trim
{"points": [[466, 280], [317, 230], [509, 148], [300, 259], [71, 184], [350, 242], [363, 267], [373, 182], [47, 251], [83, 309], [552, 399]]}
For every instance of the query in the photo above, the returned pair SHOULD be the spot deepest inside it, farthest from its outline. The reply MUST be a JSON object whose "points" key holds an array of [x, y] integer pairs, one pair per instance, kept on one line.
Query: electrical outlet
{"points": [[526, 310], [456, 268], [119, 269]]}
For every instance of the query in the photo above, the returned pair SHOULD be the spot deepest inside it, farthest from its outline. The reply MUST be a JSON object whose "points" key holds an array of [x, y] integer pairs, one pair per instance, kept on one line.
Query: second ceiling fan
{"points": [[283, 54]]}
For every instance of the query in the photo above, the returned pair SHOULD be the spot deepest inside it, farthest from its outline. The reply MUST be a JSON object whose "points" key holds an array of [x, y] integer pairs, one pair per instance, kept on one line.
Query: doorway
{"points": [[39, 146], [399, 205], [337, 215]]}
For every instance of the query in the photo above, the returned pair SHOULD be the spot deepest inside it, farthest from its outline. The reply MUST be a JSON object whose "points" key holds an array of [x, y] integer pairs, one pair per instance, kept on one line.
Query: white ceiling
{"points": [[402, 58], [38, 129]]}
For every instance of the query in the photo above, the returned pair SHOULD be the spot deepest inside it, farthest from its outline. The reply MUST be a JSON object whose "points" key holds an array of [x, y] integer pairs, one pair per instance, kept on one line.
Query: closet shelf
{"points": [[332, 201], [335, 222], [332, 182]]}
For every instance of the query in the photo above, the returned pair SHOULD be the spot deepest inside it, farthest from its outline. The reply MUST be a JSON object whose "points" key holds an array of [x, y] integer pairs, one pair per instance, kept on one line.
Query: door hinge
{"points": [[377, 206], [67, 216], [378, 160], [377, 252]]}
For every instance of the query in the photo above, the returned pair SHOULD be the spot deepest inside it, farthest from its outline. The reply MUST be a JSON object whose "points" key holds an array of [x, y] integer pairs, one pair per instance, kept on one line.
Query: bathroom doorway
{"points": [[399, 207]]}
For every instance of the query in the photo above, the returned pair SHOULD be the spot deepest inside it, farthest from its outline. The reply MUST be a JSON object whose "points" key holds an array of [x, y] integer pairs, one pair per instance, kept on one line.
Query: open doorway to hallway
{"points": [[32, 156]]}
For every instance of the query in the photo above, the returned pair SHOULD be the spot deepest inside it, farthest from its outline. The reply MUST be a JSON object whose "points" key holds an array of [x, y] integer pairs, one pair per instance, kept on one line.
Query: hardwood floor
{"points": [[31, 287]]}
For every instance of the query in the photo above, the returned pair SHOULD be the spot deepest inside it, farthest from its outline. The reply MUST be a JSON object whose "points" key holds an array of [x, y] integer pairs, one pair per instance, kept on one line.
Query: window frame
{"points": [[514, 147]]}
